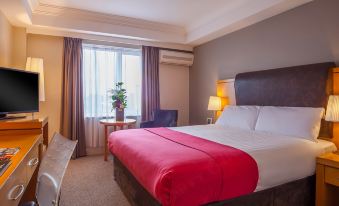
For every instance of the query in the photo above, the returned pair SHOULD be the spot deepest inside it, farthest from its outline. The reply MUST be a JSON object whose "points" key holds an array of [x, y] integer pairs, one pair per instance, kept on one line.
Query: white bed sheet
{"points": [[280, 159]]}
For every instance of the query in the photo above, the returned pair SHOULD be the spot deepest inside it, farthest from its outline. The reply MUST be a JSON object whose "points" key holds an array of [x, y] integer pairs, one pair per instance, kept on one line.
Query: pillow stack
{"points": [[301, 122]]}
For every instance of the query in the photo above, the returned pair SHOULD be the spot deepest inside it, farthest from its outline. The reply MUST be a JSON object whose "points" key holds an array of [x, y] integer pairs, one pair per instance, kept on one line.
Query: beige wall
{"points": [[16, 45], [12, 44], [5, 41], [51, 50], [174, 81], [19, 47], [304, 35], [174, 90]]}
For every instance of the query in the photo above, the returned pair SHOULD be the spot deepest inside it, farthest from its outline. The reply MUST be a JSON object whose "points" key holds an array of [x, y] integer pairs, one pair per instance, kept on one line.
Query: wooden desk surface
{"points": [[25, 142]]}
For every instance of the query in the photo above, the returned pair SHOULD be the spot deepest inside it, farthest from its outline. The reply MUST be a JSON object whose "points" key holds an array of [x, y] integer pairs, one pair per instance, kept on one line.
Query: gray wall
{"points": [[307, 34]]}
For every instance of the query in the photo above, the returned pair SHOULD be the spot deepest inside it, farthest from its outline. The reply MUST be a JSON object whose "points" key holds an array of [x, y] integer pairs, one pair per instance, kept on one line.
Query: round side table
{"points": [[129, 123]]}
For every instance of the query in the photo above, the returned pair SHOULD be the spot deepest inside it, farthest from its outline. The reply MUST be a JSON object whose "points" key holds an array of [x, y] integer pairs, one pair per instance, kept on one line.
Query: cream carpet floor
{"points": [[89, 182]]}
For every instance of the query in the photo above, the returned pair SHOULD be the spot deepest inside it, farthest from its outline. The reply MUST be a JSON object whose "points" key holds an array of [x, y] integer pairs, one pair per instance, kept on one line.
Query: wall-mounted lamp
{"points": [[37, 65], [332, 111]]}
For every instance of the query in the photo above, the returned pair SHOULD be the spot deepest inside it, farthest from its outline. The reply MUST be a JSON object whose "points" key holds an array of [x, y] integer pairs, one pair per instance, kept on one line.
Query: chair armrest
{"points": [[146, 124]]}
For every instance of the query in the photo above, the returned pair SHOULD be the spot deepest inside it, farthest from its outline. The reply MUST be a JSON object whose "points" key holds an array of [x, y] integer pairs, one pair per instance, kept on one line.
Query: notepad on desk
{"points": [[5, 158]]}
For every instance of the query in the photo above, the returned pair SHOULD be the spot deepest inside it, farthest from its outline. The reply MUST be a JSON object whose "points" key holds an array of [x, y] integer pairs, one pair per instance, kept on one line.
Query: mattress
{"points": [[170, 165], [280, 158]]}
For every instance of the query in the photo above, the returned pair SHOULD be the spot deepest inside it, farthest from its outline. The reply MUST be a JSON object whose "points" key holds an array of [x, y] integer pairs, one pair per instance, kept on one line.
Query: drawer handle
{"points": [[33, 162], [19, 190]]}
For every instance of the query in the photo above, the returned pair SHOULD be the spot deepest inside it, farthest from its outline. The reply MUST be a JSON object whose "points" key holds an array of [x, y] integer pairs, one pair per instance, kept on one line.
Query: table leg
{"points": [[106, 143]]}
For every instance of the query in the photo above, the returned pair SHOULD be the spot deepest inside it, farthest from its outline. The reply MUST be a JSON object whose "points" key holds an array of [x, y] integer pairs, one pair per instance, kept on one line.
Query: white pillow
{"points": [[244, 117], [303, 122]]}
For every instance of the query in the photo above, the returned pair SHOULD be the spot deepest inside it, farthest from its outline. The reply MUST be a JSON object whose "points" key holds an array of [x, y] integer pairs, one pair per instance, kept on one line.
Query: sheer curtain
{"points": [[103, 67]]}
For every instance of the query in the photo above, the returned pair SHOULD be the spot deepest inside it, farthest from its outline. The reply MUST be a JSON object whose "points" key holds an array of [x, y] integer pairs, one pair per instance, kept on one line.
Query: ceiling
{"points": [[184, 13], [185, 22]]}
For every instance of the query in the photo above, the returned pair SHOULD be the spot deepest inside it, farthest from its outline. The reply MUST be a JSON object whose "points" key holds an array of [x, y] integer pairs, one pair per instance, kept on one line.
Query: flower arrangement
{"points": [[119, 97]]}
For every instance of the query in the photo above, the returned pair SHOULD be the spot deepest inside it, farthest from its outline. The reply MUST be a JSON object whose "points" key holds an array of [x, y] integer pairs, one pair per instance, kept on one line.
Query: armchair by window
{"points": [[162, 118]]}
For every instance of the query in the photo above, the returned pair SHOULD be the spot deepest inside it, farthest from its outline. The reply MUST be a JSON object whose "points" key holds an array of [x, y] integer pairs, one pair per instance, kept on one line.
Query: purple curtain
{"points": [[72, 113], [150, 99]]}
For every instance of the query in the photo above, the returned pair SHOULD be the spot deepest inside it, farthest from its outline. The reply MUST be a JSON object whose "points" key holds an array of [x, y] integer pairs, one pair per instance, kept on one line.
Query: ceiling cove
{"points": [[183, 23]]}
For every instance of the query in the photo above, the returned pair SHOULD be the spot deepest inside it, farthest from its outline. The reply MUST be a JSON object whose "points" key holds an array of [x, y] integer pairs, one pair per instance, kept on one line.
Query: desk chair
{"points": [[52, 170]]}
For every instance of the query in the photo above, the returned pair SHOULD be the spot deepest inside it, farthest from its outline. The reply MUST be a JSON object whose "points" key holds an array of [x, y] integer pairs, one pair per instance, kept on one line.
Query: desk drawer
{"points": [[13, 190], [32, 160], [332, 176], [15, 186]]}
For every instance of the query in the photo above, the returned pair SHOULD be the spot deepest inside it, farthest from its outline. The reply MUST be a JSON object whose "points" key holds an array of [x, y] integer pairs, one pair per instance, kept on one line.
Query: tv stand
{"points": [[5, 117], [25, 126]]}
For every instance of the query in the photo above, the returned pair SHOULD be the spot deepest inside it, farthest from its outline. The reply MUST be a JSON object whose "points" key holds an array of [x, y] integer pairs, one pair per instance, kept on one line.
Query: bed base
{"points": [[296, 193]]}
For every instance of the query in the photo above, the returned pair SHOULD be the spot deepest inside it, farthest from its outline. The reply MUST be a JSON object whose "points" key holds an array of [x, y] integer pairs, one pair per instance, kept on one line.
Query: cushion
{"points": [[243, 117], [303, 122]]}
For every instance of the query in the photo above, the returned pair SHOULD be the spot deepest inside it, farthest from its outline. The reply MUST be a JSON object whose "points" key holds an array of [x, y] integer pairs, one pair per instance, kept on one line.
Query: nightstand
{"points": [[327, 183]]}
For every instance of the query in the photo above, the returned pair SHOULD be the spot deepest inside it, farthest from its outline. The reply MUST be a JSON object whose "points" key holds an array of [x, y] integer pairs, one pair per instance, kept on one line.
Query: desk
{"points": [[112, 122], [18, 180]]}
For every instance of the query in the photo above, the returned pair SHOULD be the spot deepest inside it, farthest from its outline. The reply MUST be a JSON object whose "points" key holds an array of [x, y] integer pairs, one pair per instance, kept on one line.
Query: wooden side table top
{"points": [[113, 122], [329, 159]]}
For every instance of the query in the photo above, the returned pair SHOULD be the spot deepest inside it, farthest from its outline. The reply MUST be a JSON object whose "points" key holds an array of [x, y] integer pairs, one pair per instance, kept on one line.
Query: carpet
{"points": [[89, 182]]}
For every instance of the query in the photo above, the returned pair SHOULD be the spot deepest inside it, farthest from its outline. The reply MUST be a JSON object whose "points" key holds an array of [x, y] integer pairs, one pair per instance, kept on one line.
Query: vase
{"points": [[119, 114]]}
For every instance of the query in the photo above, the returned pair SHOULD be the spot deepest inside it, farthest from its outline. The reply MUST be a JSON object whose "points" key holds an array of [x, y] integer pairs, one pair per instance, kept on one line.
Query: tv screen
{"points": [[19, 91]]}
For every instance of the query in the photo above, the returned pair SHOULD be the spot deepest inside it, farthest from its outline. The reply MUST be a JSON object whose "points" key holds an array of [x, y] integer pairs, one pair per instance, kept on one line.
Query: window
{"points": [[103, 66]]}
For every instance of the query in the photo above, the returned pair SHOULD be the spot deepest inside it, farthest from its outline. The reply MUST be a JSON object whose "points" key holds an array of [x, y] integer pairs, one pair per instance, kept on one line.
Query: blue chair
{"points": [[162, 118]]}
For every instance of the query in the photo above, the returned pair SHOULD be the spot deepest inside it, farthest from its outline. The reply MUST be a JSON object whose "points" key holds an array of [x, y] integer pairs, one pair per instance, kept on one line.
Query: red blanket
{"points": [[180, 169]]}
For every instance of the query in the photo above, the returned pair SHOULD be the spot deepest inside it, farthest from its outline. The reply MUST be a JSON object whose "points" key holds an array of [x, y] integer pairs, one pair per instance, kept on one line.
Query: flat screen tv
{"points": [[19, 91]]}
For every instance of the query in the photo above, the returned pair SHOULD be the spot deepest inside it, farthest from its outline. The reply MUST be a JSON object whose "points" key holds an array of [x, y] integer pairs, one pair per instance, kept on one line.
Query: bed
{"points": [[285, 164]]}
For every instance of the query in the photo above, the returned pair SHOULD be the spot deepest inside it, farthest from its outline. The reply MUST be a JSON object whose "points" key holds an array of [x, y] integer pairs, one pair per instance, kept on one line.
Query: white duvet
{"points": [[280, 159]]}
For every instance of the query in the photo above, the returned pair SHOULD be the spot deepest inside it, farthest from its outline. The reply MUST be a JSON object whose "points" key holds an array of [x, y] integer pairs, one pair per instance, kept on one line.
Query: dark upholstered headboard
{"points": [[298, 86]]}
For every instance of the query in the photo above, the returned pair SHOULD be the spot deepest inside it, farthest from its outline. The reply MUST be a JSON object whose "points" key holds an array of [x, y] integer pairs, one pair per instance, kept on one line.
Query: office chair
{"points": [[52, 170]]}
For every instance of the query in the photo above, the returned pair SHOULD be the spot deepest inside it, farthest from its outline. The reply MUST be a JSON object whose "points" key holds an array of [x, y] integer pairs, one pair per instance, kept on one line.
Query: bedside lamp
{"points": [[214, 104], [37, 65], [332, 115], [332, 111]]}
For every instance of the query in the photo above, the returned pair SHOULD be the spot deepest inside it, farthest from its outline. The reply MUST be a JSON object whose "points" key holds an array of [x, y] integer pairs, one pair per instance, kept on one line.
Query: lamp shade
{"points": [[214, 103], [37, 65], [332, 111]]}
